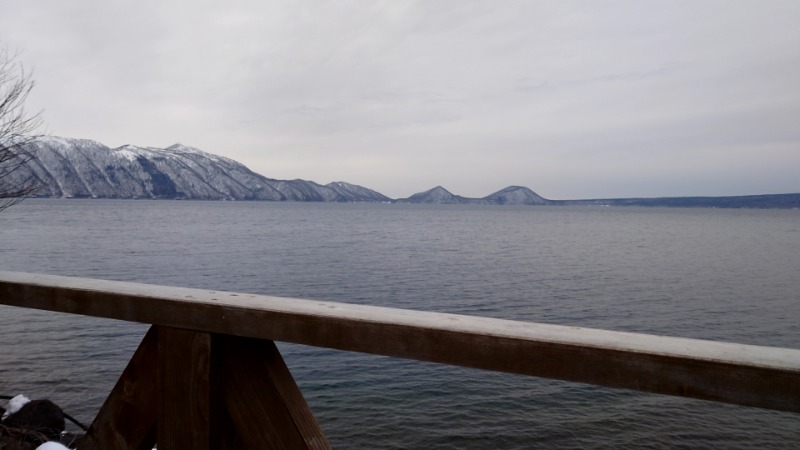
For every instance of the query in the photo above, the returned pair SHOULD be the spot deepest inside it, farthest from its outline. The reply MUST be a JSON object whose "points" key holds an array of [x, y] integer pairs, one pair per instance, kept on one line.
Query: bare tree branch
{"points": [[15, 131]]}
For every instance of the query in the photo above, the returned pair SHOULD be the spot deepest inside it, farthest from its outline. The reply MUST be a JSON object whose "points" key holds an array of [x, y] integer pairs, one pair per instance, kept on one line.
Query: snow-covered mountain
{"points": [[82, 168], [519, 195], [516, 195], [87, 169], [512, 195], [438, 196]]}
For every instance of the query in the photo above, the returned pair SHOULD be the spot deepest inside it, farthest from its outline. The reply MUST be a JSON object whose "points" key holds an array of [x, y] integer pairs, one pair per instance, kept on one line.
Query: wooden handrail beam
{"points": [[748, 375]]}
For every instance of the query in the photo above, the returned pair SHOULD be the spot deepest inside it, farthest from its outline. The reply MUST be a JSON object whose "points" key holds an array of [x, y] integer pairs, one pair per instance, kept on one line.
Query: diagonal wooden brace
{"points": [[127, 419]]}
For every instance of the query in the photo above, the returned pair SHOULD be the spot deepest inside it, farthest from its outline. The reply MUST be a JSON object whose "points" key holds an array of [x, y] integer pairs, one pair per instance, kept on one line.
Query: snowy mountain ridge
{"points": [[80, 168]]}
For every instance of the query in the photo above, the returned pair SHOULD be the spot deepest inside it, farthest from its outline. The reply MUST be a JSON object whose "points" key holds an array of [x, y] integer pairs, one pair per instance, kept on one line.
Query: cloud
{"points": [[401, 96]]}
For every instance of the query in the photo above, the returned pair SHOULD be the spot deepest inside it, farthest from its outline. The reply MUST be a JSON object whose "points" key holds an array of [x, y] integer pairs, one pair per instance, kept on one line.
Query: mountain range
{"points": [[512, 195], [79, 168]]}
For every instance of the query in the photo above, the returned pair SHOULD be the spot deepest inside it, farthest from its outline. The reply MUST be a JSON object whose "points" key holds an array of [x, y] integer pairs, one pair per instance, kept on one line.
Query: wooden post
{"points": [[188, 389]]}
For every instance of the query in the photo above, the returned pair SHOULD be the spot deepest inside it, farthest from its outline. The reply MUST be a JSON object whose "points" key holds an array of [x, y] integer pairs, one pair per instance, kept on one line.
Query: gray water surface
{"points": [[729, 275]]}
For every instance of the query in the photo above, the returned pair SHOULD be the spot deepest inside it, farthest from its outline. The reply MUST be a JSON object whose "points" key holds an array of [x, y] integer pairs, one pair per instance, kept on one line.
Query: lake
{"points": [[719, 274]]}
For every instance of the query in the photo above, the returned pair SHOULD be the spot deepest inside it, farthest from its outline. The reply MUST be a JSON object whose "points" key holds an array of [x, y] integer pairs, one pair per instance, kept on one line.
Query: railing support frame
{"points": [[188, 389]]}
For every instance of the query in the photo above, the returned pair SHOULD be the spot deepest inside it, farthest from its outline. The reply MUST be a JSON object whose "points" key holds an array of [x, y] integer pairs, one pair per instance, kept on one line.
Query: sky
{"points": [[581, 99]]}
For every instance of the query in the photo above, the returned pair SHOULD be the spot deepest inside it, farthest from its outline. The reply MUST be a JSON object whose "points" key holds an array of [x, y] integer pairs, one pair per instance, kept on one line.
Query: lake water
{"points": [[728, 275]]}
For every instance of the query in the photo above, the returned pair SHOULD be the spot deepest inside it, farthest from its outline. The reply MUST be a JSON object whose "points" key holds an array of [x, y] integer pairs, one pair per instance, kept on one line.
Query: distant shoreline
{"points": [[79, 168], [767, 201]]}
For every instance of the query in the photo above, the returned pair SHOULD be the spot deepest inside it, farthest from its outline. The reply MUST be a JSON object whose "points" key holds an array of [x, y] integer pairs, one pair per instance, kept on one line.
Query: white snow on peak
{"points": [[126, 153], [178, 147], [129, 152], [129, 147], [64, 142]]}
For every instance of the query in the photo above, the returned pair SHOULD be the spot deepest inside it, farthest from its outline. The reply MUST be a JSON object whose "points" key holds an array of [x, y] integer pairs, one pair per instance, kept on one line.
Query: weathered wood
{"points": [[186, 391], [127, 419], [266, 408], [742, 374], [232, 393]]}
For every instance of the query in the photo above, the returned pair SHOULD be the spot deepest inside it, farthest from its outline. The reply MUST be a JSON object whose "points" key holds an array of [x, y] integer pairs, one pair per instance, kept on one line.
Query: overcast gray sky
{"points": [[572, 99]]}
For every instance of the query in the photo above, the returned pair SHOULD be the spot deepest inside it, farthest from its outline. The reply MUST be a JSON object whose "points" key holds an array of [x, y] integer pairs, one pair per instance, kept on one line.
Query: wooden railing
{"points": [[208, 375]]}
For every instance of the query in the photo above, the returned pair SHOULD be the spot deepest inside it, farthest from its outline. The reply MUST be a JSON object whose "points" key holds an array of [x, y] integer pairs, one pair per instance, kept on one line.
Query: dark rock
{"points": [[36, 422]]}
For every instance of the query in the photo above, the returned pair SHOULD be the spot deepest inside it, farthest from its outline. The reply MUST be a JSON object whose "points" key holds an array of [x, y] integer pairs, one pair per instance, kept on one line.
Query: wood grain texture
{"points": [[265, 405], [186, 389], [186, 394], [127, 419], [223, 392], [741, 374]]}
